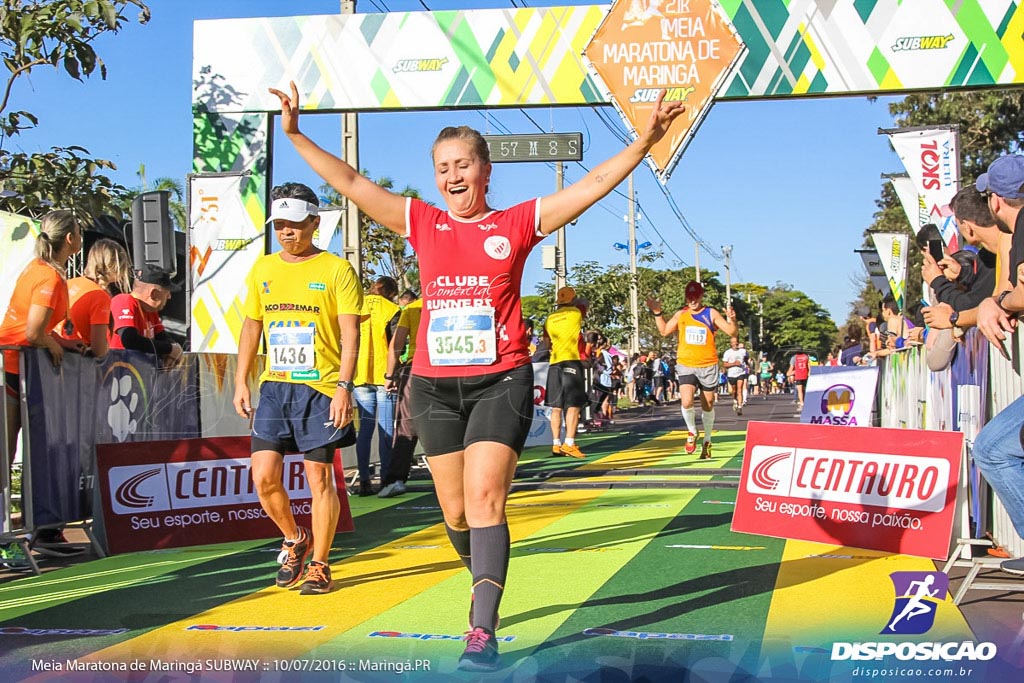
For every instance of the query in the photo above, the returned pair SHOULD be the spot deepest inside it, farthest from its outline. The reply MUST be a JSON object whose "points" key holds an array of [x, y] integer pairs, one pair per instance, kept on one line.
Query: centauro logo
{"points": [[417, 65], [671, 94], [922, 43], [190, 485]]}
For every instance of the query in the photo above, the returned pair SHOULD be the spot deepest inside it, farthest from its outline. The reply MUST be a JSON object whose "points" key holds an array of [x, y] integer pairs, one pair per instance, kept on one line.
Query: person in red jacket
{"points": [[799, 371]]}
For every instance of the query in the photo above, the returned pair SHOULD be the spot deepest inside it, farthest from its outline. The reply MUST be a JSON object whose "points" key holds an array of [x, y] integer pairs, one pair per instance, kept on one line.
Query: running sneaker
{"points": [[556, 450], [739, 410], [735, 405], [481, 653], [1013, 566], [395, 488], [318, 579], [12, 556], [472, 601], [572, 451], [691, 443], [292, 559], [705, 451]]}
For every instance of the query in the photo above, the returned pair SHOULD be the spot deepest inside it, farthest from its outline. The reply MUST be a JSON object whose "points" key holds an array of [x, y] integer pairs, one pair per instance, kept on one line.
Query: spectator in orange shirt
{"points": [[40, 303], [107, 273]]}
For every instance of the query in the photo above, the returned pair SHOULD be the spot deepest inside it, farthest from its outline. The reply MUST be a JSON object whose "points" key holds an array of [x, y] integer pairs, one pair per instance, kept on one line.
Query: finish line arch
{"points": [[528, 57]]}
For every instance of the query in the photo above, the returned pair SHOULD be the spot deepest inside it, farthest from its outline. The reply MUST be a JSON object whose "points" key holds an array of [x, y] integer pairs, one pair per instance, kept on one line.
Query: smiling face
{"points": [[461, 178]]}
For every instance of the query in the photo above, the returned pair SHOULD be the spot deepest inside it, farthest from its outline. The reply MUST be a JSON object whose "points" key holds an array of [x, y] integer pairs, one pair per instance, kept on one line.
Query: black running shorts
{"points": [[451, 413], [566, 385]]}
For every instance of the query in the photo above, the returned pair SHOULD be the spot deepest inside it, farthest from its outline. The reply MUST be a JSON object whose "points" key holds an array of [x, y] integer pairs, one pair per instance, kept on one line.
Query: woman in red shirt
{"points": [[472, 382]]}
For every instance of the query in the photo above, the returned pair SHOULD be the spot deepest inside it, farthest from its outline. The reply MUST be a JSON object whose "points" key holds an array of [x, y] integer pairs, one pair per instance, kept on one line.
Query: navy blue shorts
{"points": [[295, 418]]}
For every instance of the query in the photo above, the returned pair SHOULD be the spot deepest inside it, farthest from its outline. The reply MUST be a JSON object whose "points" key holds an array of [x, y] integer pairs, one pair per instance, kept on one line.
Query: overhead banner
{"points": [[873, 264], [225, 241], [931, 156], [879, 489], [842, 396], [195, 492], [910, 200], [688, 48], [892, 249]]}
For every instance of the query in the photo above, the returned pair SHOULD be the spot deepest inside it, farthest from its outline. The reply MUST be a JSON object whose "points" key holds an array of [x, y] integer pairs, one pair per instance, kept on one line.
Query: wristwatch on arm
{"points": [[347, 385], [1002, 295]]}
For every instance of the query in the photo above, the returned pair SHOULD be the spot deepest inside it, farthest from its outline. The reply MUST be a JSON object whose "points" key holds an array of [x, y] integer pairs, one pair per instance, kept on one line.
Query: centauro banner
{"points": [[225, 242], [880, 489], [932, 159], [892, 249]]}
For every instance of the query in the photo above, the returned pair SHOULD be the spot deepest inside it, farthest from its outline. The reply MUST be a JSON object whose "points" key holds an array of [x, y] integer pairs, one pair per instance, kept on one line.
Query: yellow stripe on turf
{"points": [[818, 601], [365, 585]]}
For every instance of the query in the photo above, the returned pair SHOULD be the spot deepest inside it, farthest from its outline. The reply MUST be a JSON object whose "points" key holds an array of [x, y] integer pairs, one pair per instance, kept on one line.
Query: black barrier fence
{"points": [[67, 410]]}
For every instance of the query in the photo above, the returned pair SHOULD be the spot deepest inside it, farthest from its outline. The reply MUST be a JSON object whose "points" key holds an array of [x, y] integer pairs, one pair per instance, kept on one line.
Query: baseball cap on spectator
{"points": [[565, 296], [292, 209], [156, 276], [1005, 177], [694, 290]]}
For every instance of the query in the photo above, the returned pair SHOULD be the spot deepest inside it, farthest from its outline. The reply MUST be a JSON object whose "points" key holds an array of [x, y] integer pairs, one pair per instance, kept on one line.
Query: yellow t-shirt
{"points": [[563, 326], [373, 340], [299, 304], [696, 339], [410, 320]]}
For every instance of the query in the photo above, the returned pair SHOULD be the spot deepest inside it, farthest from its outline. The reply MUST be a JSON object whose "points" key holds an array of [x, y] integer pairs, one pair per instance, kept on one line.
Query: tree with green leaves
{"points": [[59, 34], [382, 252]]}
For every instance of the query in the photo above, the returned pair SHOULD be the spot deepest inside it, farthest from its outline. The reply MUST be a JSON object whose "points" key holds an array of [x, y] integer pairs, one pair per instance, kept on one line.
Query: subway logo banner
{"points": [[879, 489]]}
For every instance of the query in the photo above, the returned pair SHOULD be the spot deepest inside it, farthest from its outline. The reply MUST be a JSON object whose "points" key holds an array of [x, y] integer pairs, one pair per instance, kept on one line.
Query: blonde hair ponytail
{"points": [[109, 266], [53, 230]]}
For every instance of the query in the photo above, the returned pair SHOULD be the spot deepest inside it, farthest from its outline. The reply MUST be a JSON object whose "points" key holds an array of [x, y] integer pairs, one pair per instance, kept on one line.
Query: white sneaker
{"points": [[395, 488]]}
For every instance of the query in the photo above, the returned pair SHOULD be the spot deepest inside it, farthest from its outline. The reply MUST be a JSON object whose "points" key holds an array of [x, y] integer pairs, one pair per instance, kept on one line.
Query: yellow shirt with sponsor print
{"points": [[563, 326], [299, 304], [410, 320], [372, 362]]}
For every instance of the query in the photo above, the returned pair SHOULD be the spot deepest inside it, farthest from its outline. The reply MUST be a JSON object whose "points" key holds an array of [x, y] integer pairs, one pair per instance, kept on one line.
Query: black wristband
{"points": [[656, 314]]}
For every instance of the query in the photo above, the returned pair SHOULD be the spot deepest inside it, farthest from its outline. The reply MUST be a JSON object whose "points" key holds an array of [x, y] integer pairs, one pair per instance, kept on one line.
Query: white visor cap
{"points": [[291, 209]]}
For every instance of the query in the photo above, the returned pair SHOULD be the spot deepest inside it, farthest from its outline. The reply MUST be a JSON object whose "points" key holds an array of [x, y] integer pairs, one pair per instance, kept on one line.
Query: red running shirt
{"points": [[473, 263], [128, 312]]}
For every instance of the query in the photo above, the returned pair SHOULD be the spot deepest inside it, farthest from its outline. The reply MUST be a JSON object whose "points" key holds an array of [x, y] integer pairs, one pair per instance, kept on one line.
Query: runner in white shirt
{"points": [[733, 360]]}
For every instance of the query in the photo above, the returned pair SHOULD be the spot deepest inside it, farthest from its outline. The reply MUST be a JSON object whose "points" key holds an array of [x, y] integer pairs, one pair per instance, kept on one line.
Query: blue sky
{"points": [[789, 183]]}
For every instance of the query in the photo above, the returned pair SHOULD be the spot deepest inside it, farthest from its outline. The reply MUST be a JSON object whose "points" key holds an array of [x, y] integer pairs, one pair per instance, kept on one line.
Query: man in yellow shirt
{"points": [[566, 388], [376, 407], [305, 302], [697, 358], [403, 344]]}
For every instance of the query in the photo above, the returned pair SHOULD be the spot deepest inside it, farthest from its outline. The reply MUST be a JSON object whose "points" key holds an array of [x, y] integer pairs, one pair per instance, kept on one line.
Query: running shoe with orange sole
{"points": [[705, 451], [293, 559], [572, 451], [318, 579], [691, 443]]}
